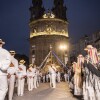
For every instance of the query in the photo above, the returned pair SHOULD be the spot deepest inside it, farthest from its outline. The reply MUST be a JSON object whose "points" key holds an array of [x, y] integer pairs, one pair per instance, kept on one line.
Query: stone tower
{"points": [[47, 29], [59, 9], [36, 10]]}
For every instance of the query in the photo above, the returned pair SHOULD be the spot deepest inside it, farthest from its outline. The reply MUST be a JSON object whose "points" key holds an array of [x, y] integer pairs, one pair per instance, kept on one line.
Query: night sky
{"points": [[83, 17]]}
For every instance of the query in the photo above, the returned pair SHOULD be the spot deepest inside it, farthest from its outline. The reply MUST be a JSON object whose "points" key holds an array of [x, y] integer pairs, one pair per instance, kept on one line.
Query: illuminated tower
{"points": [[59, 9], [47, 29]]}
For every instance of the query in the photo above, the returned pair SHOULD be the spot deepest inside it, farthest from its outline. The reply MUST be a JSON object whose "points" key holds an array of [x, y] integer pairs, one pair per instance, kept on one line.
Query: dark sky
{"points": [[83, 17]]}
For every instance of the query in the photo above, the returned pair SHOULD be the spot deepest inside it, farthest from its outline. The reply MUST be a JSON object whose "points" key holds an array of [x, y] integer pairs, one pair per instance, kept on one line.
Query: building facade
{"points": [[47, 29], [78, 48], [96, 39]]}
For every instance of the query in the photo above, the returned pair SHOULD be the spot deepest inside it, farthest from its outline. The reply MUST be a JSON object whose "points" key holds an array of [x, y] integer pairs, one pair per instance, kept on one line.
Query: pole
{"points": [[51, 53]]}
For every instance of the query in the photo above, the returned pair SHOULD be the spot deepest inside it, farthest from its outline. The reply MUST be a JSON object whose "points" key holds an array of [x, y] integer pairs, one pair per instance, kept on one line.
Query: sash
{"points": [[11, 64]]}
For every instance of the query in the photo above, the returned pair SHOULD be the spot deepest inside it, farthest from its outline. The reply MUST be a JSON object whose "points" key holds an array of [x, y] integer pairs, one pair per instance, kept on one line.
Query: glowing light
{"points": [[46, 33], [63, 47], [49, 15]]}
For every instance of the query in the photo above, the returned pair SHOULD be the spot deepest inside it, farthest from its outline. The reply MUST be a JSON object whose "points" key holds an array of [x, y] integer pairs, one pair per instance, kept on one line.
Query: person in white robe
{"points": [[5, 60], [21, 74], [30, 77], [52, 71], [34, 77], [58, 76], [11, 74]]}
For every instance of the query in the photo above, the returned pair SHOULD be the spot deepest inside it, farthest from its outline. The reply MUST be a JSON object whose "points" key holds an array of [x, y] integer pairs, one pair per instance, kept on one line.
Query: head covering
{"points": [[74, 62], [12, 52], [1, 42], [22, 61], [80, 55], [31, 65], [89, 46]]}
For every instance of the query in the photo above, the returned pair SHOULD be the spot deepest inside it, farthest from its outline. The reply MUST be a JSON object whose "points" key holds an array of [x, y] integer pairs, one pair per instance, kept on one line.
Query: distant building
{"points": [[78, 48], [96, 40], [47, 29]]}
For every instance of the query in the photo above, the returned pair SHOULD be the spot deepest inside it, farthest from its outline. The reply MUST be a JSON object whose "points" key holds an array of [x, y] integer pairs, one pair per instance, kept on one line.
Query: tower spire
{"points": [[37, 10], [59, 9]]}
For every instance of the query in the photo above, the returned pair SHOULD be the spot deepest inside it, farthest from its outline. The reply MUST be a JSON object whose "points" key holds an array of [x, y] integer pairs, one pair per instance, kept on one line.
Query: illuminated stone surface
{"points": [[44, 92]]}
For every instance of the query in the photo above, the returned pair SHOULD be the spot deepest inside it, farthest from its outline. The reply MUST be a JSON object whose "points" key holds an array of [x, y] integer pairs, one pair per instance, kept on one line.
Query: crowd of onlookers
{"points": [[84, 76]]}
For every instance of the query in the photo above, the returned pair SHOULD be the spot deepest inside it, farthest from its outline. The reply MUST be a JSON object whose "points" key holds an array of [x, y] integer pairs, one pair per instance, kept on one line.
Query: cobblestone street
{"points": [[62, 92]]}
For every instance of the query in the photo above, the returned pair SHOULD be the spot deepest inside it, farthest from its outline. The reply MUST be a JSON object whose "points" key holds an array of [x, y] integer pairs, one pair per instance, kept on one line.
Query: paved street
{"points": [[62, 92]]}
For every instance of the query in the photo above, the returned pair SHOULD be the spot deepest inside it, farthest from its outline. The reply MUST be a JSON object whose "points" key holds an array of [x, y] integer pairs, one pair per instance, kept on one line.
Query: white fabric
{"points": [[65, 77], [34, 71], [50, 80], [30, 79], [5, 60], [58, 76], [43, 78], [30, 73], [21, 87], [30, 84], [52, 71], [38, 77], [93, 55], [53, 80], [13, 70], [20, 75], [15, 62], [3, 86], [34, 78], [35, 81], [11, 82]]}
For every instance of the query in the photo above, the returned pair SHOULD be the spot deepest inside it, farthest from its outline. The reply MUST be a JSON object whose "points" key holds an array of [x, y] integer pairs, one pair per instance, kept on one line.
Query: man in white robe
{"points": [[11, 74], [52, 71], [5, 60]]}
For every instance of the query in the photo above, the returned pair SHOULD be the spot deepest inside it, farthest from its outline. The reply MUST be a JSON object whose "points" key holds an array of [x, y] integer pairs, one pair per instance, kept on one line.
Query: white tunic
{"points": [[52, 70], [12, 70], [30, 73], [5, 60], [21, 73]]}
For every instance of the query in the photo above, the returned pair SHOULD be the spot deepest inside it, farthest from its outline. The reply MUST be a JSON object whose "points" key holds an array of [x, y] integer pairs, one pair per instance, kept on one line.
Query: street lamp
{"points": [[64, 47]]}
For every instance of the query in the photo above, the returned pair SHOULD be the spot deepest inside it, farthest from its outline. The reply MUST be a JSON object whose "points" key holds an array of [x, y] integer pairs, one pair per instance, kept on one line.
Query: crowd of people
{"points": [[85, 75], [14, 73]]}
